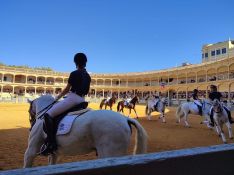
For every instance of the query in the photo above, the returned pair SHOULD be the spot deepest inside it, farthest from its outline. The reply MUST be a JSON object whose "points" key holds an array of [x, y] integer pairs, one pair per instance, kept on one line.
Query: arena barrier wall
{"points": [[212, 160]]}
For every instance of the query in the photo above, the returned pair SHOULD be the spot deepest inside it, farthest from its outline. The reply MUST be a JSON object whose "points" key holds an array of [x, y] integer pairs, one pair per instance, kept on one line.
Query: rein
{"points": [[45, 110]]}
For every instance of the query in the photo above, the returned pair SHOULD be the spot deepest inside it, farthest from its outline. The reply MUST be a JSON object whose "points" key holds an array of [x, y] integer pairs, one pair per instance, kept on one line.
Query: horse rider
{"points": [[127, 101], [197, 101], [107, 99], [214, 94], [77, 87]]}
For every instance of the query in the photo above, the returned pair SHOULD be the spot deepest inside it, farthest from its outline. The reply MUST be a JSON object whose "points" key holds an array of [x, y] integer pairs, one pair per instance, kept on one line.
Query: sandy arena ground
{"points": [[14, 131]]}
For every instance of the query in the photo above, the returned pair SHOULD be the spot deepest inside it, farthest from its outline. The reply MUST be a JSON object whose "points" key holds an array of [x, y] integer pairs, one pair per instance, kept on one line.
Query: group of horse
{"points": [[121, 104], [108, 132], [155, 104]]}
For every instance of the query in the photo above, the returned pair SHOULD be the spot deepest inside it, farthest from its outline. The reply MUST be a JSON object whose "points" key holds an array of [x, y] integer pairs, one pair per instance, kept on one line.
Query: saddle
{"points": [[199, 108], [57, 119]]}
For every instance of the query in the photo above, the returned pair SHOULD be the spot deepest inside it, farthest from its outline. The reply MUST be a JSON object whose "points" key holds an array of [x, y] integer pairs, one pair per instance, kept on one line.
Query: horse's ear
{"points": [[29, 101]]}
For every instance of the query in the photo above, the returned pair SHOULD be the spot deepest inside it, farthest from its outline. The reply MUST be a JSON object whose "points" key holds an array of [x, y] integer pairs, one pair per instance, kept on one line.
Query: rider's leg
{"points": [[229, 115], [50, 143], [200, 110], [212, 117], [60, 107]]}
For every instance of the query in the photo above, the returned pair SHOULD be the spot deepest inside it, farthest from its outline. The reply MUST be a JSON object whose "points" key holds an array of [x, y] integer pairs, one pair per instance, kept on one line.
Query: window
{"points": [[218, 52], [203, 55], [213, 53], [224, 50], [206, 55]]}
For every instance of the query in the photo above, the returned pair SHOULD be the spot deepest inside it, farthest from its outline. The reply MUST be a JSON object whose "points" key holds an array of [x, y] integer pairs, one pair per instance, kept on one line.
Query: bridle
{"points": [[217, 108], [33, 115]]}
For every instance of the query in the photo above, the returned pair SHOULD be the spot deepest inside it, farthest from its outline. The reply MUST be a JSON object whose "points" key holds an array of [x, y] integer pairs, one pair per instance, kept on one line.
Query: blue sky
{"points": [[116, 35]]}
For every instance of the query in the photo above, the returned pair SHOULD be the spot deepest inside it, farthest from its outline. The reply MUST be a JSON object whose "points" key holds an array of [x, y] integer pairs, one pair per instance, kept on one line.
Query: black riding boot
{"points": [[200, 110], [50, 143], [229, 115], [212, 118]]}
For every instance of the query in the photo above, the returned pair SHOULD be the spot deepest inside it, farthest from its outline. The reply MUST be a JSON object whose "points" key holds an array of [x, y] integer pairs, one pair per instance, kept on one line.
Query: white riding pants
{"points": [[71, 100]]}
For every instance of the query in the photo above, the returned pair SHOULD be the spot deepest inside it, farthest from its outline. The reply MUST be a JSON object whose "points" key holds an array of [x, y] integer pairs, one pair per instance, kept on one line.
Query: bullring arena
{"points": [[176, 84]]}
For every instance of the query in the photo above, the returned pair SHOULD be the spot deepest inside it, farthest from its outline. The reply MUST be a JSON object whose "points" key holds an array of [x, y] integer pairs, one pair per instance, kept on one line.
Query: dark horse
{"points": [[109, 103], [130, 106]]}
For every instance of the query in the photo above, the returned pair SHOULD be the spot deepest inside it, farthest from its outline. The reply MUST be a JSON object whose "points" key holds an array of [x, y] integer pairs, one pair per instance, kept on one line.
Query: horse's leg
{"points": [[218, 130], [31, 152], [149, 114], [163, 117], [229, 130], [34, 143], [111, 147], [129, 112], [186, 120], [52, 159], [105, 107], [135, 112], [222, 133]]}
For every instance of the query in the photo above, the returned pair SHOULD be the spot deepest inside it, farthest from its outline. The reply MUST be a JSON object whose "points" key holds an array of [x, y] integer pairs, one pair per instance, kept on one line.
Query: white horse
{"points": [[106, 132], [221, 117], [191, 108], [160, 107]]}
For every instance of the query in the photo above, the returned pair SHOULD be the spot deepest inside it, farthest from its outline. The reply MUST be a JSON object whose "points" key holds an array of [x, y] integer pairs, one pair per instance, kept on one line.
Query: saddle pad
{"points": [[65, 124]]}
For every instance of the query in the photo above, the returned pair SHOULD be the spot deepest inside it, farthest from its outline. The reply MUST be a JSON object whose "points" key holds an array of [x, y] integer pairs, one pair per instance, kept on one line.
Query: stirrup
{"points": [[46, 150]]}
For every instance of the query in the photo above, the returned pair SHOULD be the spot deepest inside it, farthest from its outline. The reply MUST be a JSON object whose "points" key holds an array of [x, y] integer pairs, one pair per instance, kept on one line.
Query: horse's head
{"points": [[32, 112], [37, 105], [113, 99], [217, 107], [135, 100]]}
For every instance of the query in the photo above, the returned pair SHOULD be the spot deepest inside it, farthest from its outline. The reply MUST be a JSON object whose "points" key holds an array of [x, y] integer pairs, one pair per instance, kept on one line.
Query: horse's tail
{"points": [[179, 113], [141, 137], [146, 109], [101, 104], [118, 106]]}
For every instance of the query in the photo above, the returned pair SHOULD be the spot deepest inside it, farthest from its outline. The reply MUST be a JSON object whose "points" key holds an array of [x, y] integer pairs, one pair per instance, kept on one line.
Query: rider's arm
{"points": [[64, 91]]}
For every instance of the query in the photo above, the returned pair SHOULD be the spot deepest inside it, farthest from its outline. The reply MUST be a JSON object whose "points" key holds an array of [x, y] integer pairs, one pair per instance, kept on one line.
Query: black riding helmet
{"points": [[195, 91], [80, 59]]}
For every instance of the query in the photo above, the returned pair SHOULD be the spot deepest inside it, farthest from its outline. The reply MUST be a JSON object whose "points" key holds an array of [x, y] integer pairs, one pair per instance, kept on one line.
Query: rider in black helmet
{"points": [[197, 101], [214, 94], [77, 87]]}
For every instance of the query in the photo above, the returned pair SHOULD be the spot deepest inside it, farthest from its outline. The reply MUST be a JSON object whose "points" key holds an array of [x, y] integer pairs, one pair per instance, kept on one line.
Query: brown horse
{"points": [[108, 103], [121, 105]]}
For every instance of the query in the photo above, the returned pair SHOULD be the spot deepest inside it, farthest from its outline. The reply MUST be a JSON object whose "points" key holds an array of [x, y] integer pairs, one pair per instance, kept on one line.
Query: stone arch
{"points": [[31, 79], [19, 90], [211, 74], [20, 78], [191, 77], [231, 70], [8, 77], [222, 73]]}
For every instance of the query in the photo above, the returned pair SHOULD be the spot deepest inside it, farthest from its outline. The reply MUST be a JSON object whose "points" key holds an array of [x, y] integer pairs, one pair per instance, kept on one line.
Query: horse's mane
{"points": [[43, 101]]}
